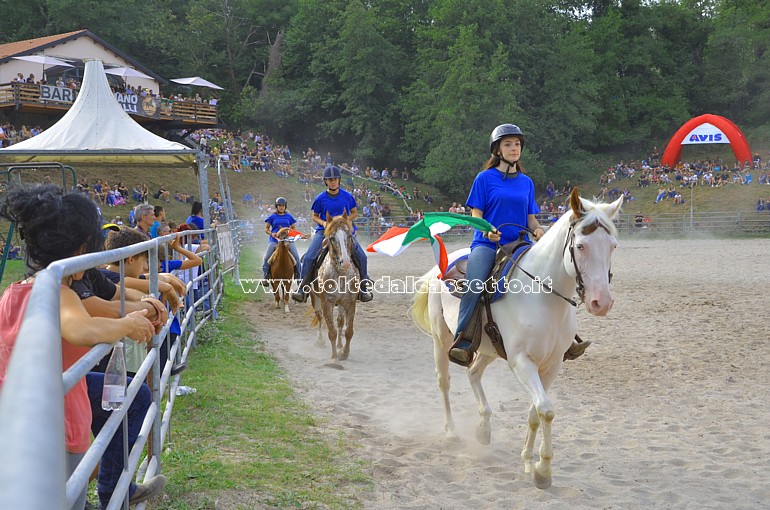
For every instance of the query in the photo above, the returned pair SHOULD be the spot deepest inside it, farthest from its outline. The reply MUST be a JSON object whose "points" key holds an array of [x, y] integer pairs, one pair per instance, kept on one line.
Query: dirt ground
{"points": [[668, 408]]}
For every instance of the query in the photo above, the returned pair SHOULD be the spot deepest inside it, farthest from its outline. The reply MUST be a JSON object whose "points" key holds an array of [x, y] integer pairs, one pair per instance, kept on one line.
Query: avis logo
{"points": [[706, 138]]}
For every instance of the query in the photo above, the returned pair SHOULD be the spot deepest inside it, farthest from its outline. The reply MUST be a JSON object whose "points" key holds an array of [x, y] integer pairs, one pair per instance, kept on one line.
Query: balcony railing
{"points": [[33, 97]]}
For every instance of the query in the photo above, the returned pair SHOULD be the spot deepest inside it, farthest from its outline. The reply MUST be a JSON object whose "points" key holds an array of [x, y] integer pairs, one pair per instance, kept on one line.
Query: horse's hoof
{"points": [[541, 481], [484, 433], [286, 308], [344, 355]]}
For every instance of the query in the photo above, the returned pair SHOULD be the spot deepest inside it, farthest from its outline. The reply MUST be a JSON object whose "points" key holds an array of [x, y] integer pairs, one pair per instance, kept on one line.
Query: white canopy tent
{"points": [[197, 81], [97, 130]]}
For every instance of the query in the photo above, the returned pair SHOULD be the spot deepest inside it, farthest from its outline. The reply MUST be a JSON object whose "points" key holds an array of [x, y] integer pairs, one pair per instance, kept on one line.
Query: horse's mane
{"points": [[334, 225]]}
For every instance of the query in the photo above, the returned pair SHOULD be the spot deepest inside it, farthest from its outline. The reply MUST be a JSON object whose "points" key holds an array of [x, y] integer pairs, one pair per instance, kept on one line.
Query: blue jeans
{"points": [[271, 247], [111, 466], [480, 263], [315, 248]]}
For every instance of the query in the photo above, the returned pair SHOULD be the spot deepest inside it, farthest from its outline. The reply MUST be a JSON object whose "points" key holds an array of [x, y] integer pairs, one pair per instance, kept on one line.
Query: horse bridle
{"points": [[569, 242], [587, 230], [332, 251]]}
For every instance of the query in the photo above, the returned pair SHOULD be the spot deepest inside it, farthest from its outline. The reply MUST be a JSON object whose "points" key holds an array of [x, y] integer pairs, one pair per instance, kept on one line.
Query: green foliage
{"points": [[420, 83]]}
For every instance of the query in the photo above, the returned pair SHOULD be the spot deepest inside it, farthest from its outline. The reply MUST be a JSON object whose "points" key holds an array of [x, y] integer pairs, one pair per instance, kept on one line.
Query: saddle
{"points": [[313, 273], [505, 262], [275, 253]]}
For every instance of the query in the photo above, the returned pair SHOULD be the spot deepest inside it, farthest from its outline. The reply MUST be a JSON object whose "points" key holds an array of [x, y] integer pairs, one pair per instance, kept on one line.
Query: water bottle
{"points": [[114, 392], [185, 390]]}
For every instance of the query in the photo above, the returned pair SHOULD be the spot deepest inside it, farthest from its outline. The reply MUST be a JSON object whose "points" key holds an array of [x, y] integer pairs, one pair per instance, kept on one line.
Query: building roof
{"points": [[34, 46], [18, 48]]}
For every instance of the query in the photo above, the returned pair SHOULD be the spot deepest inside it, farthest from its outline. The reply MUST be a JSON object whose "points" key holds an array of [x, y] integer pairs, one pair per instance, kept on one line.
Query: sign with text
{"points": [[226, 250], [705, 133], [131, 103], [57, 94]]}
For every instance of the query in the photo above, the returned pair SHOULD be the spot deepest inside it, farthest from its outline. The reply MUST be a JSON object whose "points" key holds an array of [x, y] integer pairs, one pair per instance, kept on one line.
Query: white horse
{"points": [[537, 328]]}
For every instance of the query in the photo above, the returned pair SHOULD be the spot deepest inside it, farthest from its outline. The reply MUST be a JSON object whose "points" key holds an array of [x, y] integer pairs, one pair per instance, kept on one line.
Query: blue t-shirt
{"points": [[279, 221], [154, 229], [508, 200], [195, 220], [335, 205], [166, 266]]}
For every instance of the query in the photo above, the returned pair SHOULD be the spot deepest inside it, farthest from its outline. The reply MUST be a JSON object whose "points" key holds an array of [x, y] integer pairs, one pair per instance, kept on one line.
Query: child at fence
{"points": [[134, 271], [54, 227], [198, 245]]}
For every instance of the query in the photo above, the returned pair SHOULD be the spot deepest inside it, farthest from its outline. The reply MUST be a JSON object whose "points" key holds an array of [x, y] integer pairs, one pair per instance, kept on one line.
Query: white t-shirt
{"points": [[188, 275]]}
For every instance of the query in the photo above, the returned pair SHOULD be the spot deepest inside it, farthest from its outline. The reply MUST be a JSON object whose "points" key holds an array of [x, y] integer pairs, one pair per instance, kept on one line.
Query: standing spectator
{"points": [[57, 227], [144, 214]]}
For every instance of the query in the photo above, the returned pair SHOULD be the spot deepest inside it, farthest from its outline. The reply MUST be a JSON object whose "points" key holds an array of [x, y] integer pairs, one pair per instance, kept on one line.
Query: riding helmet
{"points": [[332, 172], [501, 132], [280, 201]]}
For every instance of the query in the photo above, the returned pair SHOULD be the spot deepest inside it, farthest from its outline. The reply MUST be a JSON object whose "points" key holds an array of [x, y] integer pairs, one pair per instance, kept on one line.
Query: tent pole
{"points": [[203, 186]]}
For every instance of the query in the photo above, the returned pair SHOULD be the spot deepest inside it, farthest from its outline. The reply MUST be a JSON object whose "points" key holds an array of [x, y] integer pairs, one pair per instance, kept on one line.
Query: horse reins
{"points": [[568, 242], [587, 230]]}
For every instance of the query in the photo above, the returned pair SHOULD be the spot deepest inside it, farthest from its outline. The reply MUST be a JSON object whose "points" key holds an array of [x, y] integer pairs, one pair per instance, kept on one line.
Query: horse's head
{"points": [[339, 237], [282, 233], [588, 249]]}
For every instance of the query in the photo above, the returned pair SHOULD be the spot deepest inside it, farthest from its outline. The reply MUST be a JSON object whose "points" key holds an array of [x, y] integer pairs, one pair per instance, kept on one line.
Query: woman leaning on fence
{"points": [[54, 227]]}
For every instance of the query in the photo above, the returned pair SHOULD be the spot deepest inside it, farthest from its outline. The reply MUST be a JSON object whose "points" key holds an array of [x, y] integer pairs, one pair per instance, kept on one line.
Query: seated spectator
{"points": [[59, 226], [162, 194]]}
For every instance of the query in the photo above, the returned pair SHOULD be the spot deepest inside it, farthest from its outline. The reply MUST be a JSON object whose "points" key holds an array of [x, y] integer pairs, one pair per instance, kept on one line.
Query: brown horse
{"points": [[336, 286], [282, 270]]}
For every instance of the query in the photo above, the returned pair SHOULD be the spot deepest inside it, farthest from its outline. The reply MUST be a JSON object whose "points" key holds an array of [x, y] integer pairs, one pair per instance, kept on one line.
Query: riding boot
{"points": [[577, 348], [296, 273], [365, 292], [301, 296], [461, 351]]}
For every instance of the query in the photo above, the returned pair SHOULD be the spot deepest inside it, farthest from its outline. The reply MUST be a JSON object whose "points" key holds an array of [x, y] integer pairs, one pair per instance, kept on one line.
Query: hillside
{"points": [[264, 185]]}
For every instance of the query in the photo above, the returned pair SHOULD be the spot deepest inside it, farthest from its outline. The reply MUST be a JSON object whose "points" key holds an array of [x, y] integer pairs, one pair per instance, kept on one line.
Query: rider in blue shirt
{"points": [[275, 222], [335, 201], [500, 194]]}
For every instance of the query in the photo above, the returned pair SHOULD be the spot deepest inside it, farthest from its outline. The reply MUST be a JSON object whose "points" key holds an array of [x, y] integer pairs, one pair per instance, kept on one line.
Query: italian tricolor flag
{"points": [[397, 239]]}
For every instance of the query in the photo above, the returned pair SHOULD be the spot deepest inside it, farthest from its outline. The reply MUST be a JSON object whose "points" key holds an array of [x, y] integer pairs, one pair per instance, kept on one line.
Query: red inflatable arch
{"points": [[738, 143]]}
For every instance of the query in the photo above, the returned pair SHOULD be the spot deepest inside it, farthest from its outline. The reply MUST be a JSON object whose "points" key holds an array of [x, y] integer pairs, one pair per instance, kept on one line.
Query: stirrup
{"points": [[462, 356], [299, 296], [364, 292]]}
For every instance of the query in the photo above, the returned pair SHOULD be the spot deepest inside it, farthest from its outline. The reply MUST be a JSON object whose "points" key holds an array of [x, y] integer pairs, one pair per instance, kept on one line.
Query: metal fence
{"points": [[742, 222], [32, 453], [732, 222]]}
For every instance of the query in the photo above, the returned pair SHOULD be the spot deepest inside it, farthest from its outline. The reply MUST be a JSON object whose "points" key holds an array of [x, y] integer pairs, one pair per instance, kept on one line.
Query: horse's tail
{"points": [[419, 308], [314, 320]]}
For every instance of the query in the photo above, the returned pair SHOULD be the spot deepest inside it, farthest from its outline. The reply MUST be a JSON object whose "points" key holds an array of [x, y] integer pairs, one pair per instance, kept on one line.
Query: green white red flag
{"points": [[397, 239]]}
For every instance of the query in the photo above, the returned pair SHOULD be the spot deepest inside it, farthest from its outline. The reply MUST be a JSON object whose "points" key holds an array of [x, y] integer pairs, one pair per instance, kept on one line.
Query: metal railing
{"points": [[732, 222], [33, 96], [32, 453]]}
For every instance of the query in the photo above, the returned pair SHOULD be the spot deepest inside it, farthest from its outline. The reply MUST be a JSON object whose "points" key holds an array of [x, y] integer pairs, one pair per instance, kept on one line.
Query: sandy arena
{"points": [[668, 408]]}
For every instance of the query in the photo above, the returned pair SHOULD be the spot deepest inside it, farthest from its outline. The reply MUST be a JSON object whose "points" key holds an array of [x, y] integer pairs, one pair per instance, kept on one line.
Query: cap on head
{"points": [[280, 201]]}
